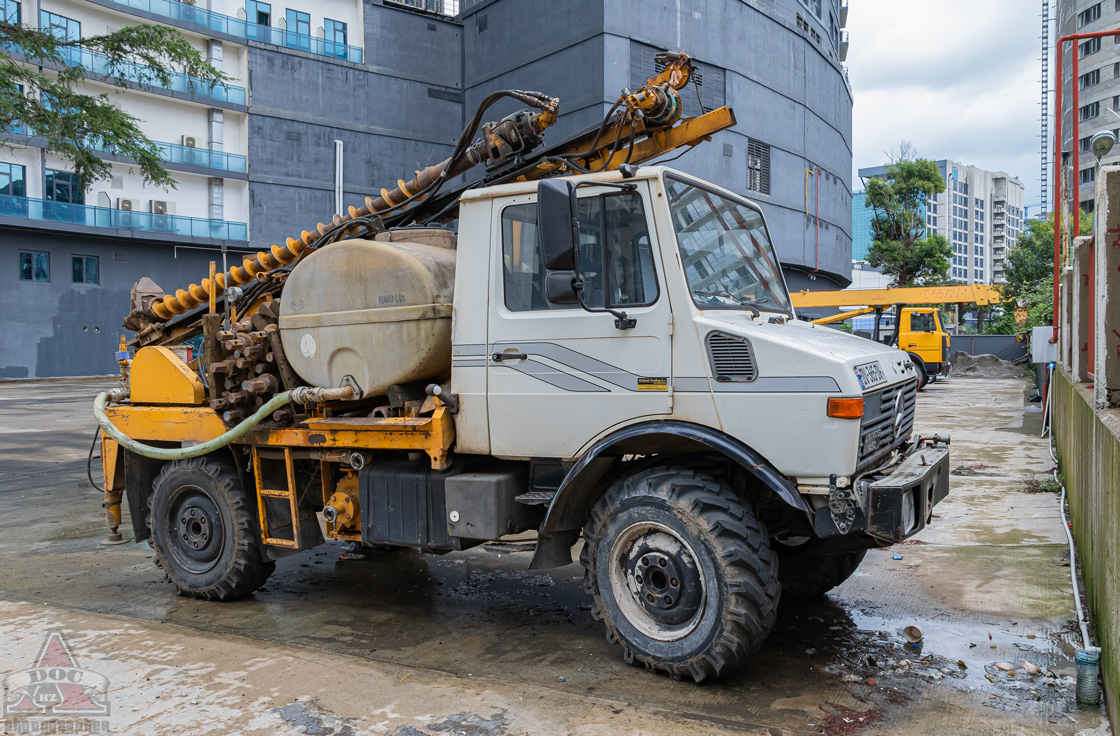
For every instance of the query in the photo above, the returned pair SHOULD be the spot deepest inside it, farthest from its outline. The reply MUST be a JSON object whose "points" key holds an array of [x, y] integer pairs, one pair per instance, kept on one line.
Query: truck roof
{"points": [[530, 187]]}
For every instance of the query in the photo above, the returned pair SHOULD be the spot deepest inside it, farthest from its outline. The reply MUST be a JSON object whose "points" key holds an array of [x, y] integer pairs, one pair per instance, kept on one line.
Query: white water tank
{"points": [[377, 310]]}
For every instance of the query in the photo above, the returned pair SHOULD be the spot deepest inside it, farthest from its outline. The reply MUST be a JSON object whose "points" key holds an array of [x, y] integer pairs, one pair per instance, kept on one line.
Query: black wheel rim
{"points": [[195, 529], [656, 581]]}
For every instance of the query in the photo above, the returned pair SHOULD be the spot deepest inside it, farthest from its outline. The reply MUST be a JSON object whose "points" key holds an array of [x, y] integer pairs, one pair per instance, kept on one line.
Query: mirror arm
{"points": [[621, 320]]}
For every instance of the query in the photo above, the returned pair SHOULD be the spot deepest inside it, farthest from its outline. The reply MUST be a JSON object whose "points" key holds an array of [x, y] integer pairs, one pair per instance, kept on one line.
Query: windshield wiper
{"points": [[728, 295], [771, 302]]}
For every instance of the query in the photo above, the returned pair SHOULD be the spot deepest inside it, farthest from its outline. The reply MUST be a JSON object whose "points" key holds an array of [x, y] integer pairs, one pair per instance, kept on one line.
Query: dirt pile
{"points": [[983, 366]]}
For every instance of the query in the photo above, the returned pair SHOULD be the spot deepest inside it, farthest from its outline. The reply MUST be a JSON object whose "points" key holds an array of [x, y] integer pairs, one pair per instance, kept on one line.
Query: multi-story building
{"points": [[980, 213], [1098, 88], [329, 101]]}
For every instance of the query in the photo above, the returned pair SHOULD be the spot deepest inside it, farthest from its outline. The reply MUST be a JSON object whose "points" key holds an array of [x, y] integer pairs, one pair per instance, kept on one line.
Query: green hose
{"points": [[182, 453]]}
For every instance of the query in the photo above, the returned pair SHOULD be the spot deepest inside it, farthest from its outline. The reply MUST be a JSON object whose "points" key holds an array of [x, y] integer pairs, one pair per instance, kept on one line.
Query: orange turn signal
{"points": [[845, 408]]}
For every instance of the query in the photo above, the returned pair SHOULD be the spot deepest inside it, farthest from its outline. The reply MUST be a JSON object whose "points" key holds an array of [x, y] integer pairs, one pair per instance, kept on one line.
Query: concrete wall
{"points": [[1089, 448], [60, 328]]}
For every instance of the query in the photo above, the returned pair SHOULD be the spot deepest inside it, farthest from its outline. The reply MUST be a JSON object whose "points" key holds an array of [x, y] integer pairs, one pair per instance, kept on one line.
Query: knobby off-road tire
{"points": [[205, 531], [920, 369], [681, 572], [811, 576]]}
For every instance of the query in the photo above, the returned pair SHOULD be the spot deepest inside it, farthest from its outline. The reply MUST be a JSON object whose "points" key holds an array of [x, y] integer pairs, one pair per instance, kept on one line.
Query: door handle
{"points": [[912, 345], [499, 357]]}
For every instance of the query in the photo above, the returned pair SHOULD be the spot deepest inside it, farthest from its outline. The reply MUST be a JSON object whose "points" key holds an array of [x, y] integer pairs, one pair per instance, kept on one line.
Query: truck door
{"points": [[559, 376], [920, 335]]}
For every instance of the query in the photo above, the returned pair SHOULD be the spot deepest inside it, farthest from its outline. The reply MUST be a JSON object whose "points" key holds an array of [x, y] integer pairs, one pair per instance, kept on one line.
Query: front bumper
{"points": [[890, 507]]}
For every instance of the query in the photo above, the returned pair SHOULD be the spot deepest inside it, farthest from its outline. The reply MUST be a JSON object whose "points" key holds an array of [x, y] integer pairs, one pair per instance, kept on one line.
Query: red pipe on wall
{"points": [[1076, 119]]}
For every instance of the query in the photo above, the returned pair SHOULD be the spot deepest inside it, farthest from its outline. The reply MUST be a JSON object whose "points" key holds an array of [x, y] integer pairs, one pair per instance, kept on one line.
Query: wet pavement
{"points": [[475, 644]]}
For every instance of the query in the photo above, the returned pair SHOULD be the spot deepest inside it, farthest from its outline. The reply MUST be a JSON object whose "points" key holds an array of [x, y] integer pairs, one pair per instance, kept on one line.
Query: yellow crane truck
{"points": [[602, 350], [919, 330]]}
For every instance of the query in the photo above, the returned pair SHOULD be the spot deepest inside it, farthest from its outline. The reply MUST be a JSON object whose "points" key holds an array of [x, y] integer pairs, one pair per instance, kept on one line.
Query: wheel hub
{"points": [[657, 581], [197, 537]]}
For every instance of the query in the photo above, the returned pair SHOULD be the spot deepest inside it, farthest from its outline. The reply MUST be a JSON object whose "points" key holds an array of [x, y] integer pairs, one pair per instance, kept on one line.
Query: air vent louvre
{"points": [[732, 358]]}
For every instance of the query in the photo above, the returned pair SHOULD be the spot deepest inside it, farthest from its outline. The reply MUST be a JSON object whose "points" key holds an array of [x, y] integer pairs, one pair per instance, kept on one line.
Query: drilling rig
{"points": [[587, 354]]}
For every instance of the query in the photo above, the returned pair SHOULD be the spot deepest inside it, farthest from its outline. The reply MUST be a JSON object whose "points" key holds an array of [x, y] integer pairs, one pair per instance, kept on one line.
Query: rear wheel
{"points": [[811, 576], [681, 572], [205, 532]]}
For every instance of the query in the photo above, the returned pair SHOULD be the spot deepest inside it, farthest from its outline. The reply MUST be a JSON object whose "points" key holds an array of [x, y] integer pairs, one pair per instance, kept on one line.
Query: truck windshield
{"points": [[726, 251]]}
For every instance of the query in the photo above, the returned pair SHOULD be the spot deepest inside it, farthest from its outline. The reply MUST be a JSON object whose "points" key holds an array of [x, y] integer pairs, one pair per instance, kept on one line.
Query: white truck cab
{"points": [[630, 335]]}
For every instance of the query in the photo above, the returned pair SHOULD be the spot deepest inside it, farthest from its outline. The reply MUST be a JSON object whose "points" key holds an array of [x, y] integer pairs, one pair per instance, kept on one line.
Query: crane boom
{"points": [[975, 294]]}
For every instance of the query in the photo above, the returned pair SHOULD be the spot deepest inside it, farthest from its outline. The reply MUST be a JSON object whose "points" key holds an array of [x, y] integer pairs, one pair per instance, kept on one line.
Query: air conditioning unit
{"points": [[189, 2], [161, 223], [125, 220], [190, 142], [160, 207], [128, 205]]}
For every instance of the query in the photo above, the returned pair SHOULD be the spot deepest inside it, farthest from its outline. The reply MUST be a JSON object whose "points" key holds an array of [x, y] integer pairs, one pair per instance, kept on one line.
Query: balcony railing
{"points": [[80, 214], [177, 154], [138, 74], [440, 7], [172, 153], [242, 29]]}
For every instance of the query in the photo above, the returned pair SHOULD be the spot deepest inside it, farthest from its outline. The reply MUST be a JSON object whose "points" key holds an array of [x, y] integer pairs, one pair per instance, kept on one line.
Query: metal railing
{"points": [[80, 214], [439, 7], [238, 28], [177, 154], [141, 75]]}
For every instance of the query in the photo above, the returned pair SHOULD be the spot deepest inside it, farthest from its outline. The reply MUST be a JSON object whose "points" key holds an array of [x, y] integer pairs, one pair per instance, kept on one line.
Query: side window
{"points": [[522, 269], [921, 322], [612, 230]]}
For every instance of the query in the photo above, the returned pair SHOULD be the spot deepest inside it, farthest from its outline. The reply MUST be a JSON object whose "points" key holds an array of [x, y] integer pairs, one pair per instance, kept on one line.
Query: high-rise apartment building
{"points": [[980, 213], [1098, 88], [329, 101]]}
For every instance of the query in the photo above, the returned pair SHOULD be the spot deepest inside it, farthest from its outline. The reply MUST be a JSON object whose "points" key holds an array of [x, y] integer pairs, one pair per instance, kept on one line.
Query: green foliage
{"points": [[39, 90], [902, 247], [1029, 273]]}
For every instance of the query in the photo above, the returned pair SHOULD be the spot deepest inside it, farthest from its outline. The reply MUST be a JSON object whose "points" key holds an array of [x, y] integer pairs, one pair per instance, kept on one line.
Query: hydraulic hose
{"points": [[301, 395]]}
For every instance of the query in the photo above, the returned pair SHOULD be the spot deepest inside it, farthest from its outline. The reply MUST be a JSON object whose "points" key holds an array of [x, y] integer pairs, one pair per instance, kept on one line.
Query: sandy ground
{"points": [[472, 644]]}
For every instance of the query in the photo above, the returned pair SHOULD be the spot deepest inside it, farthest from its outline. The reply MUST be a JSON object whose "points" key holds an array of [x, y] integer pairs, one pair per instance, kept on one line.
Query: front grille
{"points": [[881, 430], [732, 358]]}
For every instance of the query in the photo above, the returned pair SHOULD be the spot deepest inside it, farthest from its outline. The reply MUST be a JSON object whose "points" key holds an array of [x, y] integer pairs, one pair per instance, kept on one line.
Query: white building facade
{"points": [[980, 213]]}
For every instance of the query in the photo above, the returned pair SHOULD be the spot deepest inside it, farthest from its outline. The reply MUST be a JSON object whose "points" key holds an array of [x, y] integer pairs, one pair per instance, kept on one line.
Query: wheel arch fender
{"points": [[917, 360], [581, 487]]}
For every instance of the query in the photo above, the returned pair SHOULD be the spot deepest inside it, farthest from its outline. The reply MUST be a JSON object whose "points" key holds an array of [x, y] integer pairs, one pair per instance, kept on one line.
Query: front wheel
{"points": [[681, 572], [205, 532], [923, 375]]}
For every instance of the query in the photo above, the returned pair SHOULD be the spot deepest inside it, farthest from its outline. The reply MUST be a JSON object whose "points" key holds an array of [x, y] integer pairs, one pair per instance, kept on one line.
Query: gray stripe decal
{"points": [[579, 361], [772, 385], [468, 363], [552, 376], [780, 384], [468, 351], [690, 385]]}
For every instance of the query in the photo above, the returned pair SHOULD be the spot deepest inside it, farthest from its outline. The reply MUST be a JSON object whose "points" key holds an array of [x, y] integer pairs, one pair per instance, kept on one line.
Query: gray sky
{"points": [[960, 79]]}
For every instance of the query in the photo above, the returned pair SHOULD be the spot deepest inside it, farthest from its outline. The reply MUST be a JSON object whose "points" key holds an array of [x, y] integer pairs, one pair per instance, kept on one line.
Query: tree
{"points": [[901, 245], [39, 76], [1028, 271]]}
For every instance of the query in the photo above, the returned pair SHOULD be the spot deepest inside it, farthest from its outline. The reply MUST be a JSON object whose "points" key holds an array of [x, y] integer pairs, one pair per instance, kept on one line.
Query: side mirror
{"points": [[559, 287], [557, 224]]}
